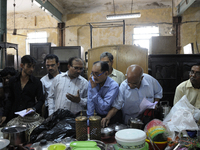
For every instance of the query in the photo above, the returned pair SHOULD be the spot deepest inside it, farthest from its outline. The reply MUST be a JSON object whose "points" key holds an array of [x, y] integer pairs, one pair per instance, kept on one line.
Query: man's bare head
{"points": [[134, 76]]}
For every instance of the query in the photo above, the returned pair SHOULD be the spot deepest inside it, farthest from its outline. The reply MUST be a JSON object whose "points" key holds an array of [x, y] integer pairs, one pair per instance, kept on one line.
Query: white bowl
{"points": [[130, 139]]}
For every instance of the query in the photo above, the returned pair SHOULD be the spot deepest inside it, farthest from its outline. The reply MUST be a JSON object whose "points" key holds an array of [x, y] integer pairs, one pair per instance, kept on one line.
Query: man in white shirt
{"points": [[69, 89], [116, 75], [52, 65]]}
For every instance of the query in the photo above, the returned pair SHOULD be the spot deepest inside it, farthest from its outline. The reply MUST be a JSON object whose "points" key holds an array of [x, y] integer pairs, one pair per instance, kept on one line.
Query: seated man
{"points": [[102, 90], [116, 75], [25, 91], [190, 88], [132, 91], [69, 89]]}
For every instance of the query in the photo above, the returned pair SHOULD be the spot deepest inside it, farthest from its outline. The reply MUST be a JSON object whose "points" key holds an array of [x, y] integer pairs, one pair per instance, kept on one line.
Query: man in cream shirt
{"points": [[190, 88], [116, 75]]}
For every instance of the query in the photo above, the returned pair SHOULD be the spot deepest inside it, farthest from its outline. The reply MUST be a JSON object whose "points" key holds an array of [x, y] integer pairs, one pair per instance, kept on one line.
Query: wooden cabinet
{"points": [[124, 56], [171, 70]]}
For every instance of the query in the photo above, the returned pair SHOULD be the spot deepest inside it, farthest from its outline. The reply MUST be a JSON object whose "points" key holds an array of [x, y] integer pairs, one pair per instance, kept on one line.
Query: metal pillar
{"points": [[3, 30], [90, 35]]}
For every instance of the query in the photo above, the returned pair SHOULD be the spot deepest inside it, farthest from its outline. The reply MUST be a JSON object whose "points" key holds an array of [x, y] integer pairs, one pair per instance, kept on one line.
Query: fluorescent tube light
{"points": [[123, 16], [35, 2]]}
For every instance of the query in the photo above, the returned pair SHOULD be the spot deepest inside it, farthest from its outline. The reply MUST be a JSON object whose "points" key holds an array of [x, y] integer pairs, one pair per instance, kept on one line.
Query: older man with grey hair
{"points": [[116, 75]]}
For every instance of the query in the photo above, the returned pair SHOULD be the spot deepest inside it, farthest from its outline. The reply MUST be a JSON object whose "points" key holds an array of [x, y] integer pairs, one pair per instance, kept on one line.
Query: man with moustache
{"points": [[102, 91], [25, 91], [190, 87], [132, 91], [52, 65], [69, 89]]}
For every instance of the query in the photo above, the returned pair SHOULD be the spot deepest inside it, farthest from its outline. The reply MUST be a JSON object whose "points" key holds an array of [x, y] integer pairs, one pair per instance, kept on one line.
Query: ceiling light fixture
{"points": [[123, 16]]}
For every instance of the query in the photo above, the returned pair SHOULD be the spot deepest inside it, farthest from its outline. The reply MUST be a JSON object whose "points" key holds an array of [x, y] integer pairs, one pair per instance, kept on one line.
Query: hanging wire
{"points": [[114, 6], [14, 13], [131, 6]]}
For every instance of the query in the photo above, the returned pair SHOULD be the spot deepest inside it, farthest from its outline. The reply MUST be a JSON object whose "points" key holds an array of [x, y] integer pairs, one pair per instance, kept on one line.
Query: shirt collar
{"points": [[51, 77], [19, 75], [113, 73], [66, 74], [107, 83], [189, 84]]}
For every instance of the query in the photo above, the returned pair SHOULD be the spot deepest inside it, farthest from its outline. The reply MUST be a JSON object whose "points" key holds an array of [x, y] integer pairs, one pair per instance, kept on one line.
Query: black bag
{"points": [[57, 126]]}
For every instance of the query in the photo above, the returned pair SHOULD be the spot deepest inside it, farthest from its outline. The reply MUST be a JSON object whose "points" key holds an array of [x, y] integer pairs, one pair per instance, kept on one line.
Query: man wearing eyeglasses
{"points": [[69, 89], [116, 75], [52, 65], [132, 91], [102, 90], [190, 88]]}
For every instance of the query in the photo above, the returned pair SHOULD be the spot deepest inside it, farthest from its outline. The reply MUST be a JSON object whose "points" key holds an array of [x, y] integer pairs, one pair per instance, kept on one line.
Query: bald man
{"points": [[132, 91]]}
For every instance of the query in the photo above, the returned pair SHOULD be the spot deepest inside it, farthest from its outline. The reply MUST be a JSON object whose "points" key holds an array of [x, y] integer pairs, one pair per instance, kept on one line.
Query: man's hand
{"points": [[93, 84], [74, 98], [28, 109], [104, 122], [2, 120]]}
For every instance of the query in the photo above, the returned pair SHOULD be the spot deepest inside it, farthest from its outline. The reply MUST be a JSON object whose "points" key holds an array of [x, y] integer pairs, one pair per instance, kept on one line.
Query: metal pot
{"points": [[42, 145], [107, 132], [67, 141], [135, 123], [4, 143], [16, 134], [118, 127]]}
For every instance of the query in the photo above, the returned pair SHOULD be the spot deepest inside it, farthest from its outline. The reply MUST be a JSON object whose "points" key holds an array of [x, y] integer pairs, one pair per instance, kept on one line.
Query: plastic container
{"points": [[57, 146], [83, 144], [160, 145], [128, 139]]}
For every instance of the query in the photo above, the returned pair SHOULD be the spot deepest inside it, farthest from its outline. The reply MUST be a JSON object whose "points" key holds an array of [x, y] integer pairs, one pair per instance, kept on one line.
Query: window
{"points": [[35, 37], [142, 35]]}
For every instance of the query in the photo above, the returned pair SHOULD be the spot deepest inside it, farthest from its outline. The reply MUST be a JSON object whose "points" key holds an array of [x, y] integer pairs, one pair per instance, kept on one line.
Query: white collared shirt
{"points": [[63, 85], [46, 84]]}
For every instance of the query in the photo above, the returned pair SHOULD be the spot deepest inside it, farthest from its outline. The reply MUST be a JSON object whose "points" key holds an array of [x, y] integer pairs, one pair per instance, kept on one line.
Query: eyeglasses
{"points": [[195, 73], [95, 75], [78, 68], [50, 65]]}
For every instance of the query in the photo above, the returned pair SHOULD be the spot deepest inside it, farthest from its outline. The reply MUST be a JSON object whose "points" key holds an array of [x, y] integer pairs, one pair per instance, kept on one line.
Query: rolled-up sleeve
{"points": [[119, 100]]}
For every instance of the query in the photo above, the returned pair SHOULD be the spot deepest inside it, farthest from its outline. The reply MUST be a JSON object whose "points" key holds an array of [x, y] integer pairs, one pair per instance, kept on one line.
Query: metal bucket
{"points": [[16, 134]]}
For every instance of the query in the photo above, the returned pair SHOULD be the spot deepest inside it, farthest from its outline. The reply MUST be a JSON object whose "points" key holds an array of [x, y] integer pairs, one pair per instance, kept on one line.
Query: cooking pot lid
{"points": [[43, 144], [132, 135], [4, 143], [14, 129]]}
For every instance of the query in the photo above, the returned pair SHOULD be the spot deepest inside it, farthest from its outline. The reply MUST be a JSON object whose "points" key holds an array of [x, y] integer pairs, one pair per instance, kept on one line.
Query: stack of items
{"points": [[156, 133]]}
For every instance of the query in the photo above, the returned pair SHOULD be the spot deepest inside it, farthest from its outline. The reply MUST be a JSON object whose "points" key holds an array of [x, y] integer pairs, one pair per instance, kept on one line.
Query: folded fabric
{"points": [[23, 112]]}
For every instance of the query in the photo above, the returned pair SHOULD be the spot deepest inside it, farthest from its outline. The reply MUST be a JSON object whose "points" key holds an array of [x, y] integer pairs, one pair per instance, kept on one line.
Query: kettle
{"points": [[135, 123], [166, 108]]}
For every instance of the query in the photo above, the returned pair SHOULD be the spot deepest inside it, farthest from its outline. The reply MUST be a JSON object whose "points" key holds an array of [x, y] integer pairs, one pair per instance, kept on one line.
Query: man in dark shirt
{"points": [[25, 91]]}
